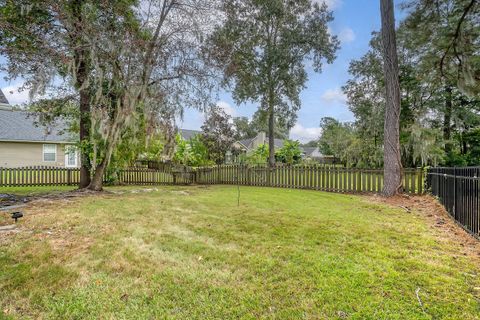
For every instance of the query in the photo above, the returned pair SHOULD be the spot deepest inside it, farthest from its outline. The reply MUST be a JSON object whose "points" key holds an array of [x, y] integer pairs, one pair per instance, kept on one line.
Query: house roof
{"points": [[309, 150], [20, 126], [3, 99], [278, 143], [246, 142], [187, 134]]}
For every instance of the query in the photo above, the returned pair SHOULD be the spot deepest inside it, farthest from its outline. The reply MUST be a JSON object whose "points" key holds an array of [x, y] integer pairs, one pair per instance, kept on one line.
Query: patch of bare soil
{"points": [[437, 217], [41, 225], [181, 192]]}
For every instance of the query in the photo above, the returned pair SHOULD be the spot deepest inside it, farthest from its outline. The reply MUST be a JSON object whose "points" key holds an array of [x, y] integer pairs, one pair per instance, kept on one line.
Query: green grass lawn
{"points": [[191, 253]]}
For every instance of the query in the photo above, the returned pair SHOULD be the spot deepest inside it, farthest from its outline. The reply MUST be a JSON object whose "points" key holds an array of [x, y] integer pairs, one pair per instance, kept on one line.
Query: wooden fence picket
{"points": [[325, 178]]}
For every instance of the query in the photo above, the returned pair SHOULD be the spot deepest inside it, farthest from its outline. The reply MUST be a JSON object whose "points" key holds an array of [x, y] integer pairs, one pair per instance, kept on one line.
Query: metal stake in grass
{"points": [[238, 191]]}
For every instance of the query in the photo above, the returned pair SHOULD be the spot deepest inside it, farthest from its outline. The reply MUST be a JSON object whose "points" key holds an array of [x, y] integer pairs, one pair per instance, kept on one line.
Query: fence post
{"points": [[455, 192], [69, 177]]}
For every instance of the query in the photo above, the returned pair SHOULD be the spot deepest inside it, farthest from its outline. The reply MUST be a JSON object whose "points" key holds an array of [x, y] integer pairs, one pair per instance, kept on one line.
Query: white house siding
{"points": [[21, 154]]}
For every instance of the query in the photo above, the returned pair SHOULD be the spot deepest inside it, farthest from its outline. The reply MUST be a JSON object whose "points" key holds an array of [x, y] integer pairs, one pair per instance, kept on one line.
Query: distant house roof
{"points": [[309, 150], [188, 134], [3, 99], [312, 152], [19, 126], [278, 143], [246, 142]]}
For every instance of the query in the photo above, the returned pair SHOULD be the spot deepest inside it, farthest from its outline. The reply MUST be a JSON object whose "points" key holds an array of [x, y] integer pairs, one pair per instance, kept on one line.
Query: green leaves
{"points": [[289, 153], [263, 47], [191, 152]]}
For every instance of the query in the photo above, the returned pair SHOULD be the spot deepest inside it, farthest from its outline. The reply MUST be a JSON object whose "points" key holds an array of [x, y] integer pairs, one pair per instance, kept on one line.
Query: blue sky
{"points": [[354, 21]]}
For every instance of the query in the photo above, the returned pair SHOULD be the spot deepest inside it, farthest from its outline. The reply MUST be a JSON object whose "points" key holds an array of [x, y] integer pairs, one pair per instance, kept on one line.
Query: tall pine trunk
{"points": [[392, 156], [81, 62], [271, 128]]}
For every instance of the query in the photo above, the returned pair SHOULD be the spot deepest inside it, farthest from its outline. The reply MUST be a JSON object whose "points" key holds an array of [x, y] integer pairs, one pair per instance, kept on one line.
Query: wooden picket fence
{"points": [[315, 177], [58, 176], [333, 179], [39, 176]]}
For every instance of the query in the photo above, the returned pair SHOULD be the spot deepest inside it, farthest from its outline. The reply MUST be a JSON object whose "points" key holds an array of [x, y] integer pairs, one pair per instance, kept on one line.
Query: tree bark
{"points": [[80, 56], [271, 128], [96, 184], [84, 138], [392, 156], [447, 119], [112, 138]]}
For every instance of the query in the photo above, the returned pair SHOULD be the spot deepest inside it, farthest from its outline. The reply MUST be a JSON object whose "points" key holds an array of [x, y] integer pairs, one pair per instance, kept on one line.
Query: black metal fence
{"points": [[458, 189]]}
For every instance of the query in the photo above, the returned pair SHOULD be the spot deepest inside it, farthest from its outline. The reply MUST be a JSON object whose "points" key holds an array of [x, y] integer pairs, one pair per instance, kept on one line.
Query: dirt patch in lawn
{"points": [[41, 224], [437, 217]]}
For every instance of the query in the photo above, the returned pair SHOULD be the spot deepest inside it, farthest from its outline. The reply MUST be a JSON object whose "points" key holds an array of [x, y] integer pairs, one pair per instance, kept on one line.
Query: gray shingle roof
{"points": [[278, 143], [3, 99], [188, 134], [312, 152], [19, 126], [246, 142], [308, 150]]}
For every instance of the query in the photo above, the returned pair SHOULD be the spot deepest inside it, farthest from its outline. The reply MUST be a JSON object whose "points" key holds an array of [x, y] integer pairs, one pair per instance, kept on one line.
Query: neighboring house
{"points": [[187, 134], [312, 153], [22, 143], [253, 143]]}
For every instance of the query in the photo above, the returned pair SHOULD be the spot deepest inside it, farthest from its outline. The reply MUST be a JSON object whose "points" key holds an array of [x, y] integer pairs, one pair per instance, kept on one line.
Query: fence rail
{"points": [[38, 176], [57, 176], [458, 189], [326, 178], [332, 179]]}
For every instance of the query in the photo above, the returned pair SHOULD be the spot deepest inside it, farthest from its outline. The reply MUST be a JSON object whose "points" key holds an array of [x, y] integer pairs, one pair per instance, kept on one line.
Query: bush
{"points": [[191, 153]]}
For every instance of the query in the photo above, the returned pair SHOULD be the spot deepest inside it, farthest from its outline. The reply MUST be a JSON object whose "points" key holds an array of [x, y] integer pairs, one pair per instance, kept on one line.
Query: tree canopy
{"points": [[264, 46]]}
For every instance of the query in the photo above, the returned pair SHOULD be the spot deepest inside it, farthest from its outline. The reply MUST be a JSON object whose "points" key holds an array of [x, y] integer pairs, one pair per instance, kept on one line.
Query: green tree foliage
{"points": [[263, 47], [311, 143], [258, 156], [446, 39], [435, 118], [243, 129], [126, 60], [341, 141], [246, 129], [191, 152], [289, 153], [217, 134]]}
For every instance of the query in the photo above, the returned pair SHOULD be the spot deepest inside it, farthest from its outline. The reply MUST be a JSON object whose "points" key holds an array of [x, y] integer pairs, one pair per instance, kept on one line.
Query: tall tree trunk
{"points": [[392, 157], [447, 119], [96, 184], [84, 138], [271, 128], [83, 70]]}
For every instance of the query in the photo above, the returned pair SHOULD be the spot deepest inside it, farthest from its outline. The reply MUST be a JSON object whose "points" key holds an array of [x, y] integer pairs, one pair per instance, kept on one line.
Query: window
{"points": [[49, 152], [71, 157]]}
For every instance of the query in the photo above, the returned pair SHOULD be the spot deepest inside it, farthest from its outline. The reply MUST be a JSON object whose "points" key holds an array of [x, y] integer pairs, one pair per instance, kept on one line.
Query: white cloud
{"points": [[299, 132], [14, 96], [227, 108], [346, 35], [334, 95], [331, 4]]}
